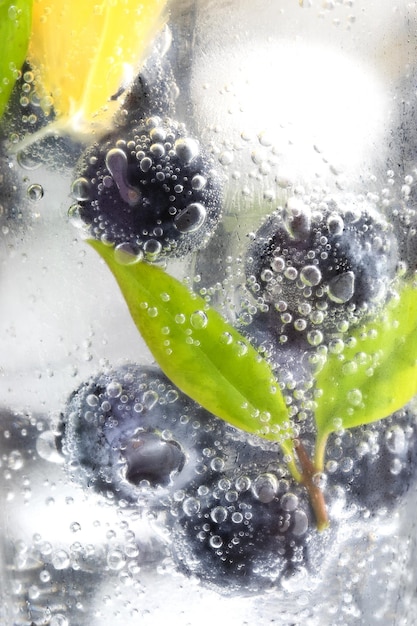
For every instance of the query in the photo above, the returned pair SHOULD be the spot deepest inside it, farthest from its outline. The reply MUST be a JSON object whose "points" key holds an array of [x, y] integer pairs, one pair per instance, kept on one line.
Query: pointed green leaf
{"points": [[15, 24], [200, 352], [375, 374]]}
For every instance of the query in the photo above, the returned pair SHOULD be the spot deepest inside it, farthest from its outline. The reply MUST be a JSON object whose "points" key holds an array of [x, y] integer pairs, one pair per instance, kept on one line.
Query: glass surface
{"points": [[264, 155]]}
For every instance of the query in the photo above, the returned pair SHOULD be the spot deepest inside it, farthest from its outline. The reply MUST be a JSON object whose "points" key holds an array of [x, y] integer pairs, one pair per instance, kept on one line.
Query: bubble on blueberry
{"points": [[149, 185]]}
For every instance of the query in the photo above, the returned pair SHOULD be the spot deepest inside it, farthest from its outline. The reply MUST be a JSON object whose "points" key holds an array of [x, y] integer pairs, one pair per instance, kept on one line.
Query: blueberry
{"points": [[318, 269], [248, 531], [133, 436], [375, 465], [151, 186]]}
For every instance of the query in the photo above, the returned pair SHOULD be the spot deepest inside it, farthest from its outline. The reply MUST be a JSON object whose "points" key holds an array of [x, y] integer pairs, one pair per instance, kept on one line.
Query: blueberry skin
{"points": [[376, 464], [247, 532], [316, 268], [131, 435], [151, 186]]}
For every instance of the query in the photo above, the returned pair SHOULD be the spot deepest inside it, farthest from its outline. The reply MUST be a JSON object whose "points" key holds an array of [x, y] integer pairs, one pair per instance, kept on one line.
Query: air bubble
{"points": [[278, 264], [152, 247], [35, 192], [59, 620], [342, 287], [186, 149], [80, 189], [300, 526], [265, 487], [198, 182], [126, 255], [226, 338], [226, 157], [46, 447], [216, 542], [60, 559], [191, 506], [116, 560], [310, 275], [336, 346], [289, 502], [395, 440], [198, 320], [315, 337], [218, 514], [191, 218], [114, 389], [354, 397], [335, 224], [15, 461]]}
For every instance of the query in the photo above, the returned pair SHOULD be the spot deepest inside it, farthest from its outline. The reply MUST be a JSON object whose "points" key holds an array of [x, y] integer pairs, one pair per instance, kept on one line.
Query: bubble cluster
{"points": [[152, 187]]}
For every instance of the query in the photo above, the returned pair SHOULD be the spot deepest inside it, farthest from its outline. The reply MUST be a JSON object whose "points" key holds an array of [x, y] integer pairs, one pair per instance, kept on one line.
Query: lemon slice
{"points": [[83, 51]]}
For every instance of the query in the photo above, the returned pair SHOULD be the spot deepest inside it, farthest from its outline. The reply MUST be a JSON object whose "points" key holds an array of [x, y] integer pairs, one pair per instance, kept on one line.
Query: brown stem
{"points": [[316, 495]]}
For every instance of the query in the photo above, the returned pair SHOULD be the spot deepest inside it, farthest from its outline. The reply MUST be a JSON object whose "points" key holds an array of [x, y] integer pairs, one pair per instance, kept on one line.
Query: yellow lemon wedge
{"points": [[83, 51]]}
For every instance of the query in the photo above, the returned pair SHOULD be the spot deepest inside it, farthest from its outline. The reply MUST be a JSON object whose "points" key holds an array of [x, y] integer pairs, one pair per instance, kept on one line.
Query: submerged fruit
{"points": [[151, 186], [319, 268], [133, 436]]}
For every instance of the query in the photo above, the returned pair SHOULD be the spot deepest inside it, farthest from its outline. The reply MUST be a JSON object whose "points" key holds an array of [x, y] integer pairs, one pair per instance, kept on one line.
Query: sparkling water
{"points": [[276, 142]]}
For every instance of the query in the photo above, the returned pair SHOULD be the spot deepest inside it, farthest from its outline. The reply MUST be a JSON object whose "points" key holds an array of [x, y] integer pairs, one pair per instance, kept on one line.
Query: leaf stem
{"points": [[320, 452], [309, 472], [294, 471]]}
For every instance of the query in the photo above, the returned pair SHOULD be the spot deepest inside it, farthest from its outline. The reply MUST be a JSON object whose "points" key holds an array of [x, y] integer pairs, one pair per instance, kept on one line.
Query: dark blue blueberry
{"points": [[316, 269], [248, 531], [151, 186], [132, 435], [375, 465]]}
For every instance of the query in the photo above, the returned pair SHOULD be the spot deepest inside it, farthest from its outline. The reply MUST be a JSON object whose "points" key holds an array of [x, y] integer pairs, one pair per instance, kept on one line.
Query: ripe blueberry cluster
{"points": [[236, 518]]}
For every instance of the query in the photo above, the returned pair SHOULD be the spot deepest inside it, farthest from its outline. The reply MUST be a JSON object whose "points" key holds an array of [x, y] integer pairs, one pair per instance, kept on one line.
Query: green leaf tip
{"points": [[201, 353], [15, 27], [374, 375]]}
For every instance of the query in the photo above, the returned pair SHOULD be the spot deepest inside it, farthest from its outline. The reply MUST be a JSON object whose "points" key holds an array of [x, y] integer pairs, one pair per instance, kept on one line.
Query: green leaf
{"points": [[375, 374], [200, 352], [15, 24]]}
